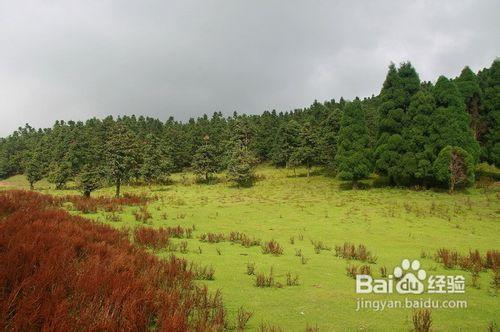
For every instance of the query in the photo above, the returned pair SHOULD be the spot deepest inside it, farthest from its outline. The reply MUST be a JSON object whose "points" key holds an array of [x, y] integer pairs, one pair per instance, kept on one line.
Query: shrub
{"points": [[150, 237], [243, 239], [448, 257], [183, 247], [261, 280], [242, 318], [319, 245], [79, 275], [492, 259], [268, 327], [422, 320], [142, 214], [212, 237], [350, 251], [272, 247], [202, 273], [292, 280], [383, 272], [354, 270]]}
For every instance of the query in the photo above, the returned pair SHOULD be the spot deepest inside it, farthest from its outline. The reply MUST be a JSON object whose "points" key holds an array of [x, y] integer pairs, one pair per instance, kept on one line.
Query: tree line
{"points": [[413, 133]]}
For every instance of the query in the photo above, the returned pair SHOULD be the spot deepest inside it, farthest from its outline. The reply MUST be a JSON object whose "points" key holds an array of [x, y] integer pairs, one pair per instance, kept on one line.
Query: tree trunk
{"points": [[32, 187], [86, 194], [118, 184]]}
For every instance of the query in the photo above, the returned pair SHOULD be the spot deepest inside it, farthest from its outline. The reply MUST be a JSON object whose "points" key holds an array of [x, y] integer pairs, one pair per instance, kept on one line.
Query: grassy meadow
{"points": [[295, 211]]}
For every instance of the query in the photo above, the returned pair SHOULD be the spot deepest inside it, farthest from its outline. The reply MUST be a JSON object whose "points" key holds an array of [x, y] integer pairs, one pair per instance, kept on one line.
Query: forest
{"points": [[413, 133]]}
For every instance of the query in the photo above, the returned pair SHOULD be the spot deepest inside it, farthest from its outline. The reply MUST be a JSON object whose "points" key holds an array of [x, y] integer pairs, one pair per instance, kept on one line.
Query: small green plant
{"points": [[250, 268], [183, 247], [292, 280]]}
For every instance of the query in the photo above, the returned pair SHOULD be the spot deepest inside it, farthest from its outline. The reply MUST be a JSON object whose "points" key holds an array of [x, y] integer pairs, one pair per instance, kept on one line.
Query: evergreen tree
{"points": [[121, 155], [415, 166], [400, 85], [89, 179], [205, 160], [156, 166], [306, 153], [468, 85], [450, 121], [60, 172], [490, 84], [241, 161], [285, 142], [353, 154], [327, 140], [35, 168]]}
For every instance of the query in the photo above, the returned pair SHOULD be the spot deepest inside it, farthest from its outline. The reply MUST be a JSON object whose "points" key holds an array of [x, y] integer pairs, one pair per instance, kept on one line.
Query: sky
{"points": [[73, 60]]}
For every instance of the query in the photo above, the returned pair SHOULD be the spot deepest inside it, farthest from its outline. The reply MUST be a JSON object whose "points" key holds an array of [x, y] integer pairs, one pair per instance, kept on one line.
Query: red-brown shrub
{"points": [[66, 273], [109, 204], [150, 237]]}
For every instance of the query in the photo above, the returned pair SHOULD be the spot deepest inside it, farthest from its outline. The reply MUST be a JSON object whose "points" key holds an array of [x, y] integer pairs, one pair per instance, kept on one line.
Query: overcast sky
{"points": [[79, 59]]}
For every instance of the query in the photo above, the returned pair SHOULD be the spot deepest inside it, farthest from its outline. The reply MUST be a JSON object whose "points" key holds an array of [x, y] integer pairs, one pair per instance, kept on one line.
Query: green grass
{"points": [[392, 223]]}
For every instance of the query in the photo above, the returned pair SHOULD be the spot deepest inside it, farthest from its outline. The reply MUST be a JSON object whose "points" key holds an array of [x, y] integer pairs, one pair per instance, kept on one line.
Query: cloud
{"points": [[79, 59]]}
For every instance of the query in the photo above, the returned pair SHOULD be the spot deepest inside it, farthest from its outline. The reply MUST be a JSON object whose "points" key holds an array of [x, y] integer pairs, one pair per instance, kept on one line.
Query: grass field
{"points": [[392, 223]]}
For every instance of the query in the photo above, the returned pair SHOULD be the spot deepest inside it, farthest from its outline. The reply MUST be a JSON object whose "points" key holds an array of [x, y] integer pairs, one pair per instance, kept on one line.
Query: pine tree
{"points": [[306, 153], [121, 155], [286, 141], [468, 85], [450, 121], [156, 166], [205, 160], [415, 166], [35, 168], [490, 85], [327, 140], [89, 179], [353, 154], [400, 85], [241, 161], [60, 172]]}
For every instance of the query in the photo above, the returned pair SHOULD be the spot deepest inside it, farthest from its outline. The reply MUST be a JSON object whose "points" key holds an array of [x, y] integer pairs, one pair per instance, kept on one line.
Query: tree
{"points": [[241, 166], [156, 166], [241, 161], [35, 169], [306, 153], [468, 85], [121, 155], [285, 142], [205, 161], [490, 86], [89, 179], [353, 154], [450, 121], [399, 86], [415, 166], [454, 166], [328, 135], [60, 173]]}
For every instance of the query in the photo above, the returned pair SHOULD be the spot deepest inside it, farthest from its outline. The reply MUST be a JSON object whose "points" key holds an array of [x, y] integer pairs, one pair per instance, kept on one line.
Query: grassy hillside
{"points": [[295, 211]]}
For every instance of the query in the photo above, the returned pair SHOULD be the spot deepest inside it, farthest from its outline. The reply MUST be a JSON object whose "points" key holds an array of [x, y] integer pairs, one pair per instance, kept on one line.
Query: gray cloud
{"points": [[78, 59]]}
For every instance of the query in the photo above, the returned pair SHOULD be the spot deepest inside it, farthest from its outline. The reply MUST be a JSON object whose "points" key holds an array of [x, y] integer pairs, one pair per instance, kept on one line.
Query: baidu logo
{"points": [[409, 278]]}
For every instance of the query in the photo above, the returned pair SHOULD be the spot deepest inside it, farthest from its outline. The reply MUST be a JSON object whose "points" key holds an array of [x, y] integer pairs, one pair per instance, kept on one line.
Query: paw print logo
{"points": [[411, 277]]}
